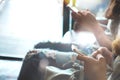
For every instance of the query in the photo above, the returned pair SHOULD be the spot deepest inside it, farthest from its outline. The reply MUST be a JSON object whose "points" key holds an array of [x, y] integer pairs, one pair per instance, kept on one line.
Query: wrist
{"points": [[98, 29]]}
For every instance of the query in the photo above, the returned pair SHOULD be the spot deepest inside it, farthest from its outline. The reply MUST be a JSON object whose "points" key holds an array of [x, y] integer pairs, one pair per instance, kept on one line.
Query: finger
{"points": [[74, 15], [76, 50], [100, 57], [82, 58], [105, 51], [85, 12], [81, 12], [102, 49], [94, 54]]}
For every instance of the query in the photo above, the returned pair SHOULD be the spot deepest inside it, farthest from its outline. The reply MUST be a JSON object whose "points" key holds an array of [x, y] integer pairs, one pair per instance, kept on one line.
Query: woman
{"points": [[87, 19], [95, 67]]}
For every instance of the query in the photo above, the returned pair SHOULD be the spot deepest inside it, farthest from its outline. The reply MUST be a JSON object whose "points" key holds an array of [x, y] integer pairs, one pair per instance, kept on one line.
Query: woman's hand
{"points": [[106, 53], [94, 68], [86, 20]]}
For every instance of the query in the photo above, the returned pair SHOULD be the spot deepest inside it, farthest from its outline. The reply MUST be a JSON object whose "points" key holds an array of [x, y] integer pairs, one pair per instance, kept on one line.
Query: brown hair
{"points": [[116, 46], [113, 12], [116, 9]]}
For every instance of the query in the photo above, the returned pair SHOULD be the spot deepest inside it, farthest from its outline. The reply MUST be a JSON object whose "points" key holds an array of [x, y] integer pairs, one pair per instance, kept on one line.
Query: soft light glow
{"points": [[32, 19], [87, 4], [81, 38]]}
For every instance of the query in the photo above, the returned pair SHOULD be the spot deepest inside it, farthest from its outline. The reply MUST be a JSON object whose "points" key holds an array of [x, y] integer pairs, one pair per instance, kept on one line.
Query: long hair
{"points": [[114, 15], [116, 9], [114, 27], [116, 46]]}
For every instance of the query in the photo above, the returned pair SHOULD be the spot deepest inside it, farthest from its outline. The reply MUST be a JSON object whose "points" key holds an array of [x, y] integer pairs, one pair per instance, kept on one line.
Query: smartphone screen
{"points": [[72, 8]]}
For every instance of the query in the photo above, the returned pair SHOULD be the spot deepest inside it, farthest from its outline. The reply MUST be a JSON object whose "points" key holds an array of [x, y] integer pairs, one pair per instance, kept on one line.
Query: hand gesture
{"points": [[94, 68], [108, 55], [86, 20]]}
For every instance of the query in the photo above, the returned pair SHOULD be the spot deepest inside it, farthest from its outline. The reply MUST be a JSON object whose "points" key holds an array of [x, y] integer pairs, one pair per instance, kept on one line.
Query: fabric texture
{"points": [[36, 64], [85, 40], [53, 73], [60, 66], [115, 74], [32, 67], [65, 47]]}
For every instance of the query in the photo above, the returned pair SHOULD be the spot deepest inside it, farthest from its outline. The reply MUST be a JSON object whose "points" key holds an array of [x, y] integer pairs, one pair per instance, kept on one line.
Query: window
{"points": [[24, 23]]}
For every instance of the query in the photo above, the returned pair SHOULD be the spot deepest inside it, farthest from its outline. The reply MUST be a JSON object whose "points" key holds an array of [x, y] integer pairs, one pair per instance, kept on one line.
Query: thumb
{"points": [[100, 57]]}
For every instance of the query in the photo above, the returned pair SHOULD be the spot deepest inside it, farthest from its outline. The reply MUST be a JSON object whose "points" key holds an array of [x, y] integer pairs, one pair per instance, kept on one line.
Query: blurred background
{"points": [[26, 22], [23, 23]]}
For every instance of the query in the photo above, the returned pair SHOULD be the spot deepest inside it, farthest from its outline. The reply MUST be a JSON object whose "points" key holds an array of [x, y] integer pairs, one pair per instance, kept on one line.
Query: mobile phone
{"points": [[76, 50], [72, 8]]}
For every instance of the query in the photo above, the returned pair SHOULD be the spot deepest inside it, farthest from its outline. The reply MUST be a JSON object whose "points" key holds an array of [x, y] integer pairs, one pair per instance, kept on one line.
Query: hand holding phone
{"points": [[72, 8]]}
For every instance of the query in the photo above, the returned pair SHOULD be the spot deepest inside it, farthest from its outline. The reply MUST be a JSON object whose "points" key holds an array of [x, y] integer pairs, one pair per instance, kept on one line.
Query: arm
{"points": [[102, 38], [88, 21]]}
